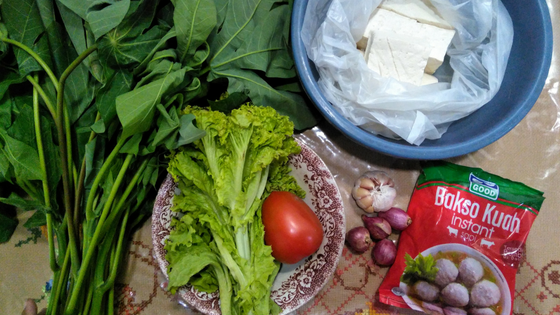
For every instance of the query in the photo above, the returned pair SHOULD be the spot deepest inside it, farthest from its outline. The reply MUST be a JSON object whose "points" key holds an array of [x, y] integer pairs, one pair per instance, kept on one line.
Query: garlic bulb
{"points": [[374, 191]]}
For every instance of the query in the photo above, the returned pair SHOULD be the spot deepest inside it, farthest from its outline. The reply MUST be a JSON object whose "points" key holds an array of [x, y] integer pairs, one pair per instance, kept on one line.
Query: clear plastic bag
{"points": [[468, 79]]}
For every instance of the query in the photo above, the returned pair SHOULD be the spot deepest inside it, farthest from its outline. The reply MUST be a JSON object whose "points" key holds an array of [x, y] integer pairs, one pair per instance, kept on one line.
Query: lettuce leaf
{"points": [[421, 268], [223, 179]]}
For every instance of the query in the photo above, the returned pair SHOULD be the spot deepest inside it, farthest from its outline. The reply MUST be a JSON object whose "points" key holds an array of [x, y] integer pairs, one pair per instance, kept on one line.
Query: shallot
{"points": [[374, 191], [358, 239], [378, 227], [397, 218], [384, 252]]}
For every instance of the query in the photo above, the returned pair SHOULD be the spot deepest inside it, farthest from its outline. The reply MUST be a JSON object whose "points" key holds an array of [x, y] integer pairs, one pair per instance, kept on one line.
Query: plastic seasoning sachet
{"points": [[461, 253]]}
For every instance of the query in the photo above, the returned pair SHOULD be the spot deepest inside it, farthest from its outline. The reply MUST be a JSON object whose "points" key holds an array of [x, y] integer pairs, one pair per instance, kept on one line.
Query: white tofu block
{"points": [[372, 63], [428, 79], [417, 10], [438, 38], [399, 57], [384, 20], [381, 56]]}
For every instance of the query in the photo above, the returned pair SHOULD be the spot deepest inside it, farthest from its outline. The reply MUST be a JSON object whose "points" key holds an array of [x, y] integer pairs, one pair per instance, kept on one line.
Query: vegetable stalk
{"points": [[46, 191]]}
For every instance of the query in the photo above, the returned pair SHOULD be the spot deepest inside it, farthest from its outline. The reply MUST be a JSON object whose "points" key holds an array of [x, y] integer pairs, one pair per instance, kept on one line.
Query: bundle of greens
{"points": [[91, 100], [223, 178]]}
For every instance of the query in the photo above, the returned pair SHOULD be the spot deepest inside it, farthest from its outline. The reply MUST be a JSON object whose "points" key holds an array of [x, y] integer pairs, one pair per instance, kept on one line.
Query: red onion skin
{"points": [[397, 218], [358, 239], [384, 252], [378, 227]]}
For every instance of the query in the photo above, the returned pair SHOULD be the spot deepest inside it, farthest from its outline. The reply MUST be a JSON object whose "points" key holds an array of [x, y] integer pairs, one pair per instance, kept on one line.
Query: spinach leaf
{"points": [[74, 26], [3, 34], [251, 42], [21, 203], [196, 89], [188, 132], [8, 78], [94, 154], [124, 51], [168, 127], [36, 220], [132, 146], [258, 41], [79, 7], [5, 111], [102, 18], [229, 102], [7, 227], [23, 21], [52, 159], [158, 69], [128, 44], [46, 10], [194, 20], [119, 83], [136, 108], [23, 126], [286, 103], [79, 92], [6, 171], [162, 43], [22, 157], [101, 15]]}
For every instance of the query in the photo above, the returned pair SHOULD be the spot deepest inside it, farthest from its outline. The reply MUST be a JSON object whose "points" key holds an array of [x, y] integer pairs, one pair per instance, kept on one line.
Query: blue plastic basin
{"points": [[524, 79]]}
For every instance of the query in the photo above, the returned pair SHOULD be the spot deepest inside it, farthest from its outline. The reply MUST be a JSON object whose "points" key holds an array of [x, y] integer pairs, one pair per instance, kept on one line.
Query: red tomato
{"points": [[291, 228]]}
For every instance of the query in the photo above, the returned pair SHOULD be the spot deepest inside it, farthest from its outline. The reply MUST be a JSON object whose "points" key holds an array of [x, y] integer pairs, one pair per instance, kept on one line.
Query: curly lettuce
{"points": [[223, 179]]}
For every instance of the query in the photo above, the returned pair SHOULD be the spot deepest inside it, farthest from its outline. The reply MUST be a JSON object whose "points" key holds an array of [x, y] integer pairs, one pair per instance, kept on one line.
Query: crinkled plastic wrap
{"points": [[468, 79]]}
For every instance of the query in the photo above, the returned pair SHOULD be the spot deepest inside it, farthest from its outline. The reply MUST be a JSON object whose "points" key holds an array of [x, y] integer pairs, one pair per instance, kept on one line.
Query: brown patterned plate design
{"points": [[295, 284]]}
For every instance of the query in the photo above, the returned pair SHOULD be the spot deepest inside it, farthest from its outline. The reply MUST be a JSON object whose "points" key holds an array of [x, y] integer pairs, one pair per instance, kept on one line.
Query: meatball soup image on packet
{"points": [[461, 253]]}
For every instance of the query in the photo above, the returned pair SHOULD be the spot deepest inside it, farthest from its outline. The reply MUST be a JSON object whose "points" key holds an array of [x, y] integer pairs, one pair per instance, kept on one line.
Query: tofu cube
{"points": [[398, 56], [416, 10], [436, 37]]}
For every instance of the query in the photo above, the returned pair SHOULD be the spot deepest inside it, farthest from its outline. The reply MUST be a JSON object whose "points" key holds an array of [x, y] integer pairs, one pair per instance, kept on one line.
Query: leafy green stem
{"points": [[66, 177], [62, 113], [44, 97], [46, 190], [99, 177], [92, 246], [115, 262], [124, 197], [111, 301], [61, 281], [103, 258], [205, 70], [37, 58], [81, 179]]}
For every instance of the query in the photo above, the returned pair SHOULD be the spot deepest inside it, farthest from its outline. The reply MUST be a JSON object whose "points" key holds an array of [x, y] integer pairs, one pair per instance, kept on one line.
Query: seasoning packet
{"points": [[461, 253]]}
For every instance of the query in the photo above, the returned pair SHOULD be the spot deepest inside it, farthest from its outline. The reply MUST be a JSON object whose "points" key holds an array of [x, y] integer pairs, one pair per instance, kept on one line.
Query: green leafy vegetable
{"points": [[421, 268], [223, 179], [7, 227], [92, 106]]}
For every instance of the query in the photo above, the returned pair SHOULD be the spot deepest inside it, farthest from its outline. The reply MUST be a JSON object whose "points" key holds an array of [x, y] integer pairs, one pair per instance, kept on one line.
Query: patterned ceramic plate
{"points": [[295, 284]]}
